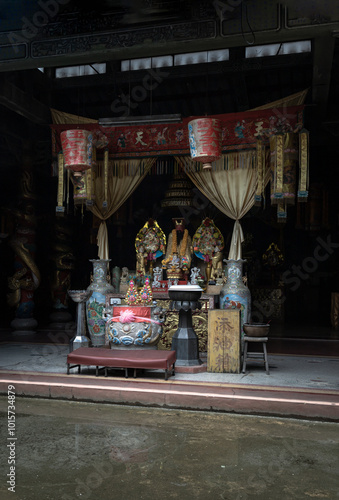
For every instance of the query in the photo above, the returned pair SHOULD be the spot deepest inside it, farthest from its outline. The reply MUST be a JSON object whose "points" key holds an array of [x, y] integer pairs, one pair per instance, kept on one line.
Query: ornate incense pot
{"points": [[134, 327]]}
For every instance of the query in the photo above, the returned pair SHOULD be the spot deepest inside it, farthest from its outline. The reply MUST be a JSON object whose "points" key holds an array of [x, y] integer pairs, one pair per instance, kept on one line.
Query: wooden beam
{"points": [[322, 69], [23, 103]]}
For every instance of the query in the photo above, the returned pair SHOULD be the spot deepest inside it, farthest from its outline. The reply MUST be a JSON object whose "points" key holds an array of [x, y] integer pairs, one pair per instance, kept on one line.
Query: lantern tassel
{"points": [[258, 194], [281, 212], [89, 179], [60, 209], [104, 204], [303, 165]]}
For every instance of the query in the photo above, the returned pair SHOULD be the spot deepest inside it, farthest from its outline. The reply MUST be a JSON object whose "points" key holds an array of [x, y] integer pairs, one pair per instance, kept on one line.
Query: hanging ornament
{"points": [[60, 209], [284, 160], [179, 193], [79, 188], [260, 172], [77, 149], [104, 203], [303, 165], [205, 138]]}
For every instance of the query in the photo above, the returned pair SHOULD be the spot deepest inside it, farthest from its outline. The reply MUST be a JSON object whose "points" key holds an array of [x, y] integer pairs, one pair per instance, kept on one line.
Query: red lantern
{"points": [[205, 140], [77, 146]]}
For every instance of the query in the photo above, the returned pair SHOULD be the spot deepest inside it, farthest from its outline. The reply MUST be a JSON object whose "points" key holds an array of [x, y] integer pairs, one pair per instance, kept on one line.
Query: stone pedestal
{"points": [[185, 340], [80, 339], [61, 320], [24, 326]]}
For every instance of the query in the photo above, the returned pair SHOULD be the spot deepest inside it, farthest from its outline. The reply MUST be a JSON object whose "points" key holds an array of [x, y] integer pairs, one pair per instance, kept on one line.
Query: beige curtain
{"points": [[61, 118], [120, 186], [231, 191], [291, 100]]}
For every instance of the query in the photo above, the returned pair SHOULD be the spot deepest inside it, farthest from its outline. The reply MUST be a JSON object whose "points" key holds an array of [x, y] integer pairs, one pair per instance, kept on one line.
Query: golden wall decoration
{"points": [[170, 326]]}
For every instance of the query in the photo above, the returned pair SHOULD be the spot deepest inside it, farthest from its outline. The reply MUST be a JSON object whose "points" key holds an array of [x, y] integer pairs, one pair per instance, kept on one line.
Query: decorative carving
{"points": [[63, 264], [26, 278], [126, 38], [170, 326]]}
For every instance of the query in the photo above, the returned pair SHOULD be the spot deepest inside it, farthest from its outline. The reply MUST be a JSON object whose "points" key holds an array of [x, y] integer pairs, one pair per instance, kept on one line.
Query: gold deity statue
{"points": [[178, 256]]}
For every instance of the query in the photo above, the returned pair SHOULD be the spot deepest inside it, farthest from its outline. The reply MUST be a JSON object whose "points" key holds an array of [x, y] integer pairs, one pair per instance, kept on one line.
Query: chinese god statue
{"points": [[178, 256]]}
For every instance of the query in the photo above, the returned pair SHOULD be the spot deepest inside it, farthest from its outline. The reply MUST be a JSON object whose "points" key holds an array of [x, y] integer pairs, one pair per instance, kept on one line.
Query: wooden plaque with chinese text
{"points": [[224, 344]]}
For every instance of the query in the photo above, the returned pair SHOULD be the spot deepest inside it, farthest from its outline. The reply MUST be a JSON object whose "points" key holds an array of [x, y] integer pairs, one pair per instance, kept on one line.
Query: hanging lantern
{"points": [[205, 138], [79, 188], [77, 149], [179, 193], [83, 184]]}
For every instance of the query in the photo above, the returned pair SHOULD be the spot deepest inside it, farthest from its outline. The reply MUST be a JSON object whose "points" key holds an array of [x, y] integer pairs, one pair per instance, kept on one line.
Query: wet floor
{"points": [[69, 450]]}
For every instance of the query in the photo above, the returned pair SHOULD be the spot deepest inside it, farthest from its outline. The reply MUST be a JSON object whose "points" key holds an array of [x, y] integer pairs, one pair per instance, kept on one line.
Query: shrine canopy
{"points": [[241, 171], [240, 131]]}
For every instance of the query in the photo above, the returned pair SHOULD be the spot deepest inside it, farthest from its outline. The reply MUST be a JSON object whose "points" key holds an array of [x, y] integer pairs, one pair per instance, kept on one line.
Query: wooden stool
{"points": [[258, 356]]}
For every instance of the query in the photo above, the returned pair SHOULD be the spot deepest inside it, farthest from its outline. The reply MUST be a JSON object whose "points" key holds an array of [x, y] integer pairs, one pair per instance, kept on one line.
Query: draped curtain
{"points": [[231, 190], [121, 183]]}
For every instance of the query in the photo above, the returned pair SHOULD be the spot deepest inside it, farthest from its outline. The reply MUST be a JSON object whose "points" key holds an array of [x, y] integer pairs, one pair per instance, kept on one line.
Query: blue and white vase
{"points": [[96, 303], [235, 294]]}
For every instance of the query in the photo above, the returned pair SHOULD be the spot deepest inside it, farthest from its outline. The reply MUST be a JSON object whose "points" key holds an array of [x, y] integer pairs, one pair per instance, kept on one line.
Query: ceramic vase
{"points": [[235, 294], [96, 303]]}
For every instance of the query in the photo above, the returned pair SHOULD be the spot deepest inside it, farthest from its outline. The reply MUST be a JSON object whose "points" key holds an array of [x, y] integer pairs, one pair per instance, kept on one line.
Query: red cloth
{"points": [[125, 358], [142, 311], [239, 131]]}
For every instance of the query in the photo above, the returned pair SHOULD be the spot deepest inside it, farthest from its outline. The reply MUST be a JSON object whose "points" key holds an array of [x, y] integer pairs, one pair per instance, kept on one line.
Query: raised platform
{"points": [[235, 398], [298, 386]]}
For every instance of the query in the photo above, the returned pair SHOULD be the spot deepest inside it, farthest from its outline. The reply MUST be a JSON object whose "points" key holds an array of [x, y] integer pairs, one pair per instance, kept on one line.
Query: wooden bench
{"points": [[126, 358]]}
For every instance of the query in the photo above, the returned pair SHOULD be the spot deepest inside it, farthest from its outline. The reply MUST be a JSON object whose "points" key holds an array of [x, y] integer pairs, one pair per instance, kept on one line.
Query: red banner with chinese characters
{"points": [[239, 131]]}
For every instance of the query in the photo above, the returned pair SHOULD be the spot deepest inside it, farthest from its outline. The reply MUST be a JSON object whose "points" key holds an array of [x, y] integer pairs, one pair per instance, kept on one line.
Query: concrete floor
{"points": [[73, 450], [285, 371], [298, 386]]}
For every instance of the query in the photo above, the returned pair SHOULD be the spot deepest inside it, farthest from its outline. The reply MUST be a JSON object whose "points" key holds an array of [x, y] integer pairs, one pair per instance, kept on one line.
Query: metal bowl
{"points": [[185, 292], [256, 329], [80, 295]]}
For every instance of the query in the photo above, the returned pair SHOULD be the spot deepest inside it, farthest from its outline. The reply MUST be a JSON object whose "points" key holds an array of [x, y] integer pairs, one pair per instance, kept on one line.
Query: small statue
{"points": [[141, 261], [116, 278], [178, 257], [175, 262], [195, 271], [124, 276], [216, 264], [157, 273]]}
